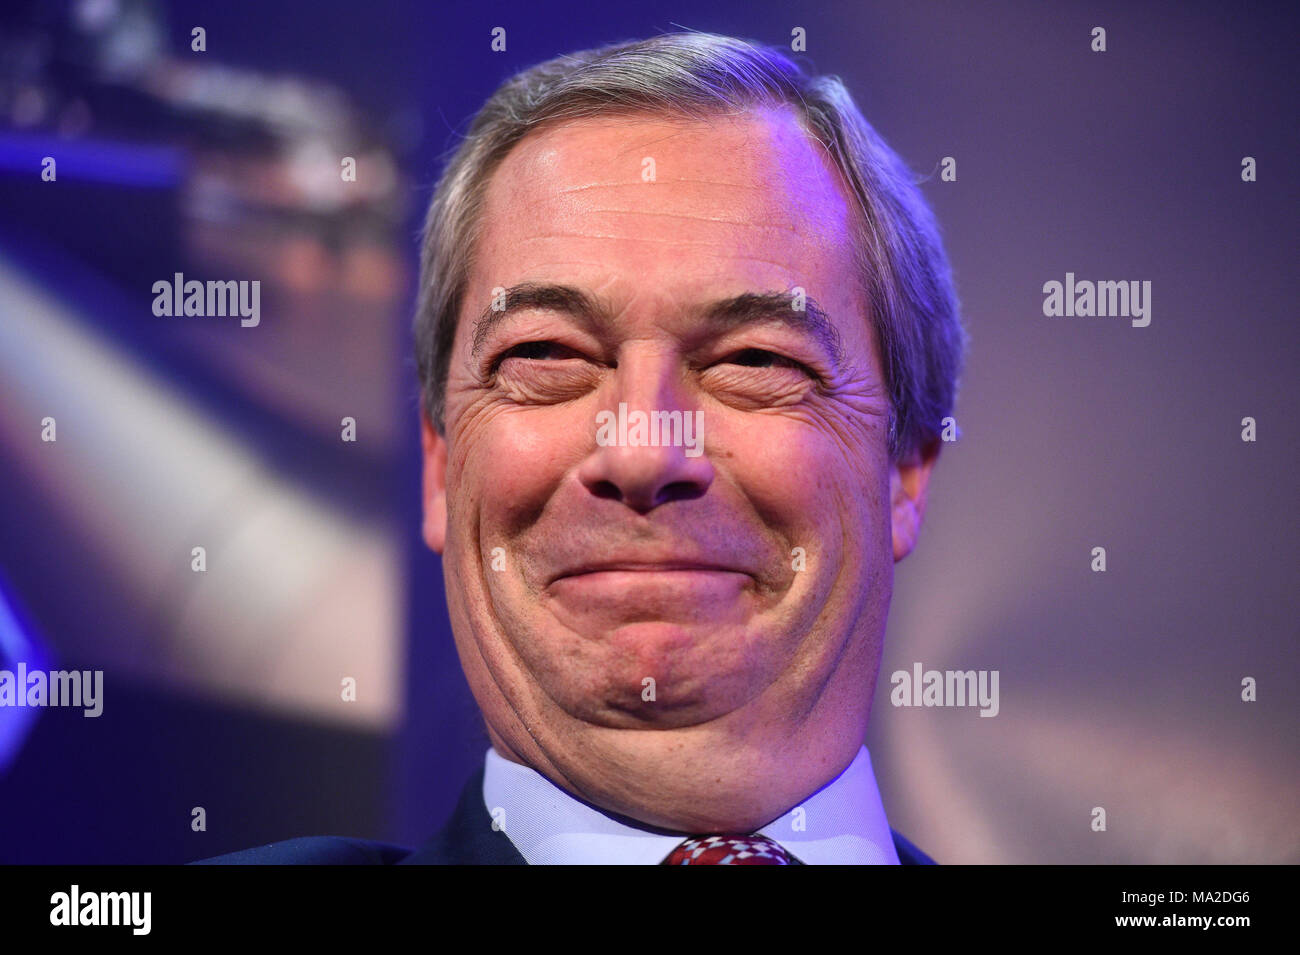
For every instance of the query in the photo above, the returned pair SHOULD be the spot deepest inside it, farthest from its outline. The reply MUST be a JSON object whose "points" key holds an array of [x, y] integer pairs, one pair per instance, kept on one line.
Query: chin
{"points": [[633, 699], [654, 675]]}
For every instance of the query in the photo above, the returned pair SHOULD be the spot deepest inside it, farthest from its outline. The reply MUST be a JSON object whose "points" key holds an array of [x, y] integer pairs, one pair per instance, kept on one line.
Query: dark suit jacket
{"points": [[466, 839]]}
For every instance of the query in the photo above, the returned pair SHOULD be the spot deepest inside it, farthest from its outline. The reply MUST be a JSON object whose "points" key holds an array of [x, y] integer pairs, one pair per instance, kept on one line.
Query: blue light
{"points": [[93, 160]]}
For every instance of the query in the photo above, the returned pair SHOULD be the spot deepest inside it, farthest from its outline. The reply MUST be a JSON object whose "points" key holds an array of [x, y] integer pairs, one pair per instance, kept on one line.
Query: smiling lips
{"points": [[622, 593], [642, 567], [670, 585]]}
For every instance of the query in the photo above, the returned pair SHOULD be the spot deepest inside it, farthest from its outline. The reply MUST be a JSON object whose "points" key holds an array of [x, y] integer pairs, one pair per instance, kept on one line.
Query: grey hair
{"points": [[900, 259]]}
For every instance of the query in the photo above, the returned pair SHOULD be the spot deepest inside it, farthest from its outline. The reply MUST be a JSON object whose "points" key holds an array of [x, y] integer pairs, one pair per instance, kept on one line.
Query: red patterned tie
{"points": [[728, 850]]}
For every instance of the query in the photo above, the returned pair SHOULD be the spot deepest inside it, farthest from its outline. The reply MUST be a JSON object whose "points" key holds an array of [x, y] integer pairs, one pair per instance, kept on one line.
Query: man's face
{"points": [[690, 639]]}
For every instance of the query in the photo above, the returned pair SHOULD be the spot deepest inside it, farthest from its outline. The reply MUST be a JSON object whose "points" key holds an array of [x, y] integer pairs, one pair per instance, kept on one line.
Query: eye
{"points": [[761, 358], [536, 351]]}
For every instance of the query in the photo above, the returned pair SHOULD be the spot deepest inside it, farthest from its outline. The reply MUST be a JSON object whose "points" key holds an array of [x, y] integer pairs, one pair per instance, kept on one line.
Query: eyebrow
{"points": [[748, 308]]}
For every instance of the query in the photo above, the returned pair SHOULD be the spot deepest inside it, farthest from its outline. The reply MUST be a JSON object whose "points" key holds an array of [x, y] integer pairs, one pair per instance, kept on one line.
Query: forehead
{"points": [[641, 204]]}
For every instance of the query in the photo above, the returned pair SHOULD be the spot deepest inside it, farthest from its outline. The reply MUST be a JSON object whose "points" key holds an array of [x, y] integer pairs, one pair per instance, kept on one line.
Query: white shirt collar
{"points": [[843, 823]]}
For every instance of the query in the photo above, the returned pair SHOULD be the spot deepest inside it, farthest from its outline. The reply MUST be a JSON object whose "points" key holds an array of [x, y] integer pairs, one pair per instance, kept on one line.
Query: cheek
{"points": [[509, 460], [800, 473]]}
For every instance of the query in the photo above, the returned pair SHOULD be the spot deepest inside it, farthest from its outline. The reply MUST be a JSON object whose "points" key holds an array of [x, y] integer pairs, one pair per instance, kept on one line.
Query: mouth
{"points": [[647, 567], [676, 594]]}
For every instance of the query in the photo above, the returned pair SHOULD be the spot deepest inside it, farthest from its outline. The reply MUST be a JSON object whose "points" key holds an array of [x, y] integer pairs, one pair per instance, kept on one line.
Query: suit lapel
{"points": [[468, 837]]}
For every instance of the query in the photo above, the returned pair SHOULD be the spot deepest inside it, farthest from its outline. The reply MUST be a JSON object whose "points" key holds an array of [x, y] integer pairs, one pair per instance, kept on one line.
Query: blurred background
{"points": [[222, 688]]}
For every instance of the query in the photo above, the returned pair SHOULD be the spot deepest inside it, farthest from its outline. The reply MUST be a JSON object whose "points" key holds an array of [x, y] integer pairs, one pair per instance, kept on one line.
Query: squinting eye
{"points": [[537, 351], [759, 358]]}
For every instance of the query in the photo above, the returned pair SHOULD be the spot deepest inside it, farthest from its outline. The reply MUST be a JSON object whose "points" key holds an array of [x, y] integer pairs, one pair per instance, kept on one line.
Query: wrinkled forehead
{"points": [[761, 163], [664, 199]]}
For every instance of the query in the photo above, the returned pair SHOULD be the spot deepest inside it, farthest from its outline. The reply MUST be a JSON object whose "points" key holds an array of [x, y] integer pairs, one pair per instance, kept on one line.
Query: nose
{"points": [[649, 445]]}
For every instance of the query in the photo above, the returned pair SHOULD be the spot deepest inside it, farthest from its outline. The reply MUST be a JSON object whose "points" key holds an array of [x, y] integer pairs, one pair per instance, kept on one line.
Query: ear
{"points": [[908, 481], [435, 485]]}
